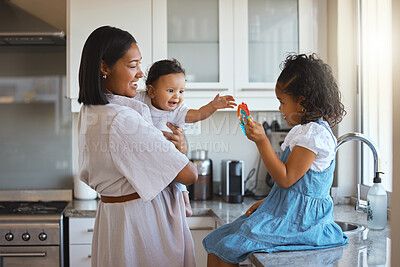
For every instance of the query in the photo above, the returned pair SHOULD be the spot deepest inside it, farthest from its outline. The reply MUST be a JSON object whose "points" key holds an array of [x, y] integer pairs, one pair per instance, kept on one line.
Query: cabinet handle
{"points": [[23, 254], [201, 228], [89, 256], [90, 230]]}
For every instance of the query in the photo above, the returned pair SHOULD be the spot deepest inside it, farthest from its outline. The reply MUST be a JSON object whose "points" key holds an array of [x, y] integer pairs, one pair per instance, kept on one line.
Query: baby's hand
{"points": [[255, 131], [221, 102]]}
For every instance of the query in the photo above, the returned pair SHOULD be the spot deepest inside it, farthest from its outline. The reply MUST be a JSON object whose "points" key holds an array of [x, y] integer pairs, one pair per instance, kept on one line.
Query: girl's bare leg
{"points": [[214, 261]]}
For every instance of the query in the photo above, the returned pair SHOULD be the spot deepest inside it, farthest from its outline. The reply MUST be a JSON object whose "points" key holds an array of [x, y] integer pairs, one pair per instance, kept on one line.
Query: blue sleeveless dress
{"points": [[296, 218]]}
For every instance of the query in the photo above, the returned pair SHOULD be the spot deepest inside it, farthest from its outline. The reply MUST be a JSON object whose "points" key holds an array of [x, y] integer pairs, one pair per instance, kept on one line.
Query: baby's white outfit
{"points": [[316, 138], [161, 117]]}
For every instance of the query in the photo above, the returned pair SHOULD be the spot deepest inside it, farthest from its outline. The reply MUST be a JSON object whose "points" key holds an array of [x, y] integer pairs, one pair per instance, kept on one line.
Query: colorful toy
{"points": [[243, 116]]}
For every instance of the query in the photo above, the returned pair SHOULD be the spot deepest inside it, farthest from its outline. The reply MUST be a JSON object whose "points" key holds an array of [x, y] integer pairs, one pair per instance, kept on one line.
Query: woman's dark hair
{"points": [[311, 78], [161, 68], [105, 43]]}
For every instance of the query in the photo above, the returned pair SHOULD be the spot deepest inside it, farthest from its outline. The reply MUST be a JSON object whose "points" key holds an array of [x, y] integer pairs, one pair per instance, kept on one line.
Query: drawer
{"points": [[81, 230], [80, 255], [201, 223]]}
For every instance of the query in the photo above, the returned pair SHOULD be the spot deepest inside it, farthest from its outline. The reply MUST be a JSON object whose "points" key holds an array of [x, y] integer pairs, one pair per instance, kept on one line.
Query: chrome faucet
{"points": [[362, 205]]}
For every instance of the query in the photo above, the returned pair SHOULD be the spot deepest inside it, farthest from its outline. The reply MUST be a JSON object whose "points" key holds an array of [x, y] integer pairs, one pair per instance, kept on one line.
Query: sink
{"points": [[350, 228]]}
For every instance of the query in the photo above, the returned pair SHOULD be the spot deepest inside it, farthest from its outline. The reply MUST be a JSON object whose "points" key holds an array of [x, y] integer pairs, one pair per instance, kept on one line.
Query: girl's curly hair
{"points": [[311, 78]]}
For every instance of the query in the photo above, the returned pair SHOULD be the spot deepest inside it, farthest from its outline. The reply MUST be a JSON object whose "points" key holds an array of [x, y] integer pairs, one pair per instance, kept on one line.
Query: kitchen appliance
{"points": [[232, 180], [18, 27], [31, 227], [202, 189]]}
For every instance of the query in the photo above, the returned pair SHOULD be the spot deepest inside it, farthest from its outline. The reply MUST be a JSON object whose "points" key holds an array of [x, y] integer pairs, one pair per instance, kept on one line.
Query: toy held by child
{"points": [[298, 212], [243, 116], [164, 95]]}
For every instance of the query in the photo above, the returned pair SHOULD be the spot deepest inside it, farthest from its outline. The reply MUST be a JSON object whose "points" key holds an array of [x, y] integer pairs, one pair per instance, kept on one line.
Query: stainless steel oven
{"points": [[31, 233]]}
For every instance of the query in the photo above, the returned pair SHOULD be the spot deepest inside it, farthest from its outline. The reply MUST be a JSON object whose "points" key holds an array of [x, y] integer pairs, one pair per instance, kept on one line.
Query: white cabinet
{"points": [[235, 46], [81, 233], [200, 227], [226, 46], [83, 17], [80, 241]]}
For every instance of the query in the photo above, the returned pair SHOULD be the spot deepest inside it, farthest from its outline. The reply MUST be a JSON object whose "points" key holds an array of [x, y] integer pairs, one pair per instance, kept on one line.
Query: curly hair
{"points": [[309, 77], [161, 68]]}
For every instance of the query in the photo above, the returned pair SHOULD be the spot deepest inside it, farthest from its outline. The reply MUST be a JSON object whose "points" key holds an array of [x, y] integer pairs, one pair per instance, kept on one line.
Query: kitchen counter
{"points": [[363, 249]]}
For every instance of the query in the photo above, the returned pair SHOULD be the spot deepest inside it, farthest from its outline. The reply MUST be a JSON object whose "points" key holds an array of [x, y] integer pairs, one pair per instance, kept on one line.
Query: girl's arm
{"points": [[219, 102], [285, 175]]}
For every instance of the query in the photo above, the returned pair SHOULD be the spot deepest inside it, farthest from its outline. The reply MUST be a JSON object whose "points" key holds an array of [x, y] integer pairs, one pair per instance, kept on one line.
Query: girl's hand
{"points": [[255, 131], [254, 207], [221, 102], [177, 137]]}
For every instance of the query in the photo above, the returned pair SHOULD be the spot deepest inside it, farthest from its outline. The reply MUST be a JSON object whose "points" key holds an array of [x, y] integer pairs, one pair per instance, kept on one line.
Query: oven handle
{"points": [[22, 254]]}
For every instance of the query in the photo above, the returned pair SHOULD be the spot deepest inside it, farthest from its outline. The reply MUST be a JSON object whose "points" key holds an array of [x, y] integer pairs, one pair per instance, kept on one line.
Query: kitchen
{"points": [[328, 34]]}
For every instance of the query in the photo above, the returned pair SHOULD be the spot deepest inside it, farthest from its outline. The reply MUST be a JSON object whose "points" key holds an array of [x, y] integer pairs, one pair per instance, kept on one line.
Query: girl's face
{"points": [[123, 76], [167, 92], [289, 106]]}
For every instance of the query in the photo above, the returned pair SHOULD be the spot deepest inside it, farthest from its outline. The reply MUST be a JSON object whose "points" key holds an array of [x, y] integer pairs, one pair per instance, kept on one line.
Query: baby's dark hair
{"points": [[311, 78], [161, 68]]}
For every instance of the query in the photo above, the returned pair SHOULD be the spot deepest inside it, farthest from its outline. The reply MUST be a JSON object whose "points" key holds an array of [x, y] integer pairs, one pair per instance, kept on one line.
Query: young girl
{"points": [[165, 86], [298, 212]]}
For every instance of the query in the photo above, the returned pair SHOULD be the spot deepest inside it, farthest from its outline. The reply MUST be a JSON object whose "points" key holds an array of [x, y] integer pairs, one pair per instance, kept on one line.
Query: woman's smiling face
{"points": [[123, 76]]}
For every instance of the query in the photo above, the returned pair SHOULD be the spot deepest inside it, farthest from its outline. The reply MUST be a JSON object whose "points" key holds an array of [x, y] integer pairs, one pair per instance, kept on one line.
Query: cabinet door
{"points": [[200, 227], [266, 31], [199, 34], [81, 230], [83, 17], [80, 255], [200, 253]]}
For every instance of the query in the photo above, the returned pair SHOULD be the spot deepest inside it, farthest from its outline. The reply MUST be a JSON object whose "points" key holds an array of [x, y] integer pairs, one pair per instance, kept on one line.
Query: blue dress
{"points": [[296, 218]]}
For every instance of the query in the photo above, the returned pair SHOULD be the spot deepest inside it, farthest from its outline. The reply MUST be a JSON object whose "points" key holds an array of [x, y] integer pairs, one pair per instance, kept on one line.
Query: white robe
{"points": [[121, 152]]}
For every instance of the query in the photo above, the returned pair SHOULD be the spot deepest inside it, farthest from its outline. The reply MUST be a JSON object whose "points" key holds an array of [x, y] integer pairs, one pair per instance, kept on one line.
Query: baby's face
{"points": [[167, 92]]}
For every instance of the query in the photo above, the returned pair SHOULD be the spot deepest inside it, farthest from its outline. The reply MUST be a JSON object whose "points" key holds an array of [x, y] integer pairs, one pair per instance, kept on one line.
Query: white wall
{"points": [[341, 47], [222, 136]]}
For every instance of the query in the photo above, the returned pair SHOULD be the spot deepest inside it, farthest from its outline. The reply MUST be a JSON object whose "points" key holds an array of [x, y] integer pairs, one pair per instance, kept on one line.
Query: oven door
{"points": [[32, 256]]}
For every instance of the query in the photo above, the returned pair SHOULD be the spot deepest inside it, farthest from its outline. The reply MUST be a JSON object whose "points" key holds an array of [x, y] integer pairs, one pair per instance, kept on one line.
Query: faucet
{"points": [[362, 205]]}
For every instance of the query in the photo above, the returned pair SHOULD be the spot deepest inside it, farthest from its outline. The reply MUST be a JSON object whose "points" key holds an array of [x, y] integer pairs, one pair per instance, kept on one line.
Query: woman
{"points": [[140, 219]]}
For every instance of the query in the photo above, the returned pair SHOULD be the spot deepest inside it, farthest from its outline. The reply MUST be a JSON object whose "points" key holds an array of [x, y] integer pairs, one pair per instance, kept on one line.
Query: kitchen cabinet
{"points": [[200, 227], [80, 241], [81, 233], [235, 46], [83, 17], [226, 46]]}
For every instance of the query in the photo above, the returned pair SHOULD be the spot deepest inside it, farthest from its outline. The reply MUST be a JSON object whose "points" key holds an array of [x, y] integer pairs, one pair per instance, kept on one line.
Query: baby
{"points": [[165, 85]]}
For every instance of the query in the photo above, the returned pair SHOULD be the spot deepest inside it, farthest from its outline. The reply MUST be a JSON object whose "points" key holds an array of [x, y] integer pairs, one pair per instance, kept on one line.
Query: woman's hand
{"points": [[254, 207], [177, 137], [255, 131], [220, 102]]}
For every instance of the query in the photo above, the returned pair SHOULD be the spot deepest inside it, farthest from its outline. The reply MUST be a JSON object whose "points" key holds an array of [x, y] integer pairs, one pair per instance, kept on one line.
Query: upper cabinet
{"points": [[226, 46], [83, 17], [235, 46]]}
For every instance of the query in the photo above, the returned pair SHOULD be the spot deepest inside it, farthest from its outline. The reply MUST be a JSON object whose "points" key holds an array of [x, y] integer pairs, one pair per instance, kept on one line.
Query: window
{"points": [[375, 86]]}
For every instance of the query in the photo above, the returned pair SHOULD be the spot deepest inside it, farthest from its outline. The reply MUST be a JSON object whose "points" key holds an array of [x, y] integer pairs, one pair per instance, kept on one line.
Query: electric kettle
{"points": [[202, 188]]}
